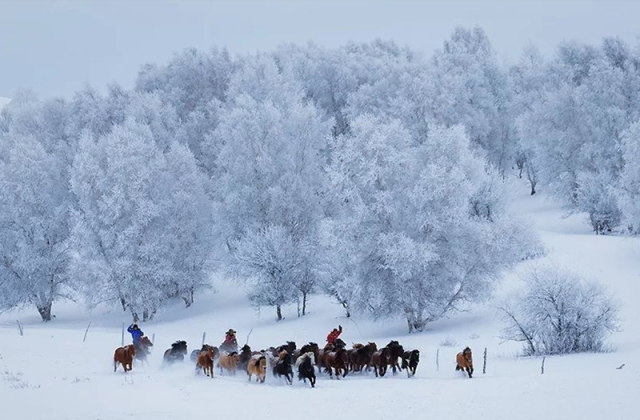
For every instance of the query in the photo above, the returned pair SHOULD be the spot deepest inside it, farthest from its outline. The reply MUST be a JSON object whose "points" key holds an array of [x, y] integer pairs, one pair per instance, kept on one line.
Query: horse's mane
{"points": [[283, 354]]}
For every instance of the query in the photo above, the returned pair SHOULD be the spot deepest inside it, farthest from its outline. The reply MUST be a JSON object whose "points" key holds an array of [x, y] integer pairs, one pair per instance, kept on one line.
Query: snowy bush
{"points": [[559, 312]]}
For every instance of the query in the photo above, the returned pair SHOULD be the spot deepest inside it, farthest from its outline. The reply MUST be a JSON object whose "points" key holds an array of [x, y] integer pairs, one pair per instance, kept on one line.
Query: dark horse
{"points": [[320, 360], [305, 368], [283, 367], [245, 357], [337, 360], [464, 361], [380, 360], [395, 352], [410, 360], [311, 347], [176, 353], [142, 349], [361, 357]]}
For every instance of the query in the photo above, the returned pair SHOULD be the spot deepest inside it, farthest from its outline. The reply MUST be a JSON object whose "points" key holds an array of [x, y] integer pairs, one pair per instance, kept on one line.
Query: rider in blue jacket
{"points": [[136, 333]]}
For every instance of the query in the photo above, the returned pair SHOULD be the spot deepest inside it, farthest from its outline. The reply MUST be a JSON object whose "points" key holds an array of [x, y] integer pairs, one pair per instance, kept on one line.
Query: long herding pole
{"points": [[249, 335], [153, 338], [20, 328], [204, 335], [122, 340], [484, 363], [438, 360], [85, 332]]}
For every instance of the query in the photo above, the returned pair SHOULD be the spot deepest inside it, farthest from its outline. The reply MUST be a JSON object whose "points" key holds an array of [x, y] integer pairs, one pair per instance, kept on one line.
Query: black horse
{"points": [[245, 357], [410, 360], [395, 351], [283, 367], [176, 353], [306, 369]]}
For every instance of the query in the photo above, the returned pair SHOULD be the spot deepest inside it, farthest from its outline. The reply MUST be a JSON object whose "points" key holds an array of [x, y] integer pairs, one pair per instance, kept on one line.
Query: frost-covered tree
{"points": [[422, 225], [268, 159], [141, 231], [35, 151], [471, 89], [559, 312], [34, 203], [629, 190]]}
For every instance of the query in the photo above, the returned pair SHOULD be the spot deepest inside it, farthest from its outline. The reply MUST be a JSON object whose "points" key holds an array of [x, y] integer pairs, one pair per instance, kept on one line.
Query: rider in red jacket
{"points": [[333, 335]]}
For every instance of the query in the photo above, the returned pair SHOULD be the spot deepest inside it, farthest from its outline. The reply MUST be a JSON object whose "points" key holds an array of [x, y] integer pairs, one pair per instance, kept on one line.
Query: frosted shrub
{"points": [[559, 312]]}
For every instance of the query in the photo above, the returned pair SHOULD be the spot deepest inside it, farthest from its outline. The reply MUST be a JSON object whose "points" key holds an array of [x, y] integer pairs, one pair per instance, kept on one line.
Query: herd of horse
{"points": [[334, 359]]}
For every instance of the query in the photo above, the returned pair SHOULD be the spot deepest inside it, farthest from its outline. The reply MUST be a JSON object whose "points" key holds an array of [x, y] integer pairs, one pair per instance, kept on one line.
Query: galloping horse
{"points": [[258, 366], [245, 356], [395, 352], [380, 360], [194, 354], [176, 353], [142, 349], [305, 368], [337, 360], [283, 367], [124, 355], [410, 360], [205, 360], [361, 357], [229, 361], [464, 361]]}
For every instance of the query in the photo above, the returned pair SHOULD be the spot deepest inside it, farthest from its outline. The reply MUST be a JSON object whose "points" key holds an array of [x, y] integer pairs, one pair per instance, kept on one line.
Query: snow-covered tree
{"points": [[141, 232], [268, 159], [559, 312], [34, 203], [421, 224], [629, 190]]}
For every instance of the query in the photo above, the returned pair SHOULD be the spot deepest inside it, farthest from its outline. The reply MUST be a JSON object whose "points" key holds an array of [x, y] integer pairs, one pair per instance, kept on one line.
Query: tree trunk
{"points": [[304, 303], [124, 304], [188, 298], [279, 312], [533, 187], [134, 314], [45, 311]]}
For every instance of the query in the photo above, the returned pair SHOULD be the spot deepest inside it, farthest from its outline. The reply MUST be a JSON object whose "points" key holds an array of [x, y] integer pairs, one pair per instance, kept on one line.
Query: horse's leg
{"points": [[375, 369], [115, 365]]}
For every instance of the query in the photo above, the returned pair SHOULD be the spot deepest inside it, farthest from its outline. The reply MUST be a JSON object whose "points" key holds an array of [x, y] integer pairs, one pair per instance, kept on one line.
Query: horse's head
{"points": [[282, 355], [246, 349], [340, 344], [145, 341], [357, 346], [310, 357], [131, 350], [385, 352], [374, 346], [179, 346], [262, 364], [466, 353], [415, 356]]}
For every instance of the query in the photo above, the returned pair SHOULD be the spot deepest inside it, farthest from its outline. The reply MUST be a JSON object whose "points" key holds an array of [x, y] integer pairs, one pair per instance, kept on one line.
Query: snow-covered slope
{"points": [[49, 373]]}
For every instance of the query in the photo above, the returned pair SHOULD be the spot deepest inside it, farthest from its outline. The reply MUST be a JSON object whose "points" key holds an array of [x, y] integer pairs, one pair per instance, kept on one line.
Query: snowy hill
{"points": [[49, 373]]}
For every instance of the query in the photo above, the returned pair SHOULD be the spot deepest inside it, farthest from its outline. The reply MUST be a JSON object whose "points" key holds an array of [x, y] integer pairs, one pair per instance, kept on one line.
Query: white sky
{"points": [[55, 47]]}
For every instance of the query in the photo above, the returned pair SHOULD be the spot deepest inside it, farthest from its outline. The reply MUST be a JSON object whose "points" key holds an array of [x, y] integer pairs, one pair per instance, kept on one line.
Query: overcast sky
{"points": [[55, 47]]}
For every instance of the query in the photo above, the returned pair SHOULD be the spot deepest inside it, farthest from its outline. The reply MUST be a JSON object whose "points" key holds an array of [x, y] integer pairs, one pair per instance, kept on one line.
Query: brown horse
{"points": [[380, 360], [329, 347], [257, 366], [124, 355], [311, 347], [337, 360], [464, 361], [229, 361], [205, 360], [142, 349]]}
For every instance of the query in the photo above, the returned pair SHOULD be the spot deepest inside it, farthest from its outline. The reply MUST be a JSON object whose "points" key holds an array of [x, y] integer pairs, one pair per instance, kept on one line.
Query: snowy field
{"points": [[49, 373]]}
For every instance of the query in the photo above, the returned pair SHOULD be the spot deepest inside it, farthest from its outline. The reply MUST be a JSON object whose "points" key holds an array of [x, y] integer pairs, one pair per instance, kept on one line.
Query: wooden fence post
{"points": [[484, 363], [438, 360], [85, 332], [122, 338]]}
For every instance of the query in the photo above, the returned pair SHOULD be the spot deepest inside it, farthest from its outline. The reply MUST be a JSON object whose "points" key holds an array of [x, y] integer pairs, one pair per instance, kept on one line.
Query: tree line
{"points": [[369, 172]]}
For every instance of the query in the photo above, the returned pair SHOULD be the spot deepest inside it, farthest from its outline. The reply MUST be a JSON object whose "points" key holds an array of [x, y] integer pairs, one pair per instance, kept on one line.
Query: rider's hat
{"points": [[231, 331]]}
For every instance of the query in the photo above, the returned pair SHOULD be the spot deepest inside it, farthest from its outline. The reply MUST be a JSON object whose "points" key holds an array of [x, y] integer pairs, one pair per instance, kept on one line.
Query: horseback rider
{"points": [[333, 335], [136, 335], [230, 342]]}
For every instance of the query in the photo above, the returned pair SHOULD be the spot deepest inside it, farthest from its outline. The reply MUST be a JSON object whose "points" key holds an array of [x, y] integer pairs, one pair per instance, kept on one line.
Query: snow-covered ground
{"points": [[49, 373]]}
